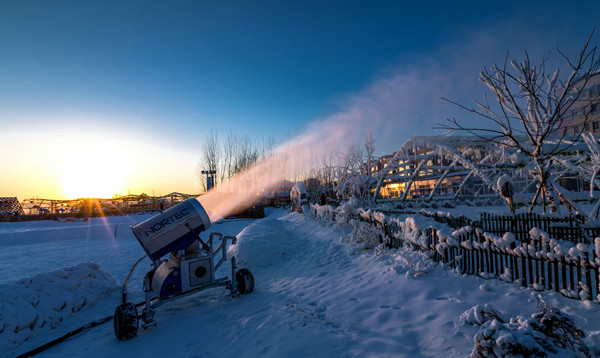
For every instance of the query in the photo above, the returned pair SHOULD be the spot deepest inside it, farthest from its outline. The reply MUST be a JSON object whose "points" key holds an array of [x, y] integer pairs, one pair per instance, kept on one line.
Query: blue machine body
{"points": [[166, 281], [173, 230]]}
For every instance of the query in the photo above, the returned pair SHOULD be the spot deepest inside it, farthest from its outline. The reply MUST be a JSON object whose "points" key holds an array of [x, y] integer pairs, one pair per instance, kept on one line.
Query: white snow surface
{"points": [[316, 295], [33, 307]]}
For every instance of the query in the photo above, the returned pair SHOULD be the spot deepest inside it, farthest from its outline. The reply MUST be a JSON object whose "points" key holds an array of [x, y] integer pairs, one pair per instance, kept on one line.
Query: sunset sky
{"points": [[109, 97]]}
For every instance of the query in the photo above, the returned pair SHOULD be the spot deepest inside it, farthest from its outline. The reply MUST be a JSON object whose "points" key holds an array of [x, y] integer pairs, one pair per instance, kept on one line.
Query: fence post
{"points": [[588, 277], [542, 273], [515, 260], [556, 279], [564, 273], [524, 267], [530, 264]]}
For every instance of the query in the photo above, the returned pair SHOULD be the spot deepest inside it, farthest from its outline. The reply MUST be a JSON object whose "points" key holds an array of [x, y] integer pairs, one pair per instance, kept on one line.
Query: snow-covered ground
{"points": [[315, 295]]}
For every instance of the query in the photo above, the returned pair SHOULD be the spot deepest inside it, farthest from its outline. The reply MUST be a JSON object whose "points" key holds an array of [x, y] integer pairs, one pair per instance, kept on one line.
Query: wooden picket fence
{"points": [[570, 228], [475, 255]]}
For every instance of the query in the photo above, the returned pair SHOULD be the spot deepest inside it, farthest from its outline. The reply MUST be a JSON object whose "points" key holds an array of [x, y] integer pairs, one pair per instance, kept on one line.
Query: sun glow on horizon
{"points": [[93, 174], [93, 163]]}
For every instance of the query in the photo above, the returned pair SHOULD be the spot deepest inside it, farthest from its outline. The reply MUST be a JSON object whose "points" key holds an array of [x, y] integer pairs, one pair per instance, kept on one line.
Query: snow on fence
{"points": [[536, 260], [571, 228]]}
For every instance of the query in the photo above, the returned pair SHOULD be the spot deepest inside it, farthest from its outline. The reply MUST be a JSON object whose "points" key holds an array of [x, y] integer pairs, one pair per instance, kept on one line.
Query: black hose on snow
{"points": [[43, 347]]}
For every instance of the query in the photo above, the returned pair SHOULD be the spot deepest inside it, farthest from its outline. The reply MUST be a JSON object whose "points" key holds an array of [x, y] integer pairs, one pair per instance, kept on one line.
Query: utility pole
{"points": [[210, 178]]}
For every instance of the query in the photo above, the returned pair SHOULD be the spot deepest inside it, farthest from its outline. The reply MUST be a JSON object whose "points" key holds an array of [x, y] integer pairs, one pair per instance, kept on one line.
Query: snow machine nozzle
{"points": [[192, 264], [172, 230]]}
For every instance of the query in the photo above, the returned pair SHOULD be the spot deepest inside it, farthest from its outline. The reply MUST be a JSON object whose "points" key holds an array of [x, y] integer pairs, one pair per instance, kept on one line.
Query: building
{"points": [[585, 116]]}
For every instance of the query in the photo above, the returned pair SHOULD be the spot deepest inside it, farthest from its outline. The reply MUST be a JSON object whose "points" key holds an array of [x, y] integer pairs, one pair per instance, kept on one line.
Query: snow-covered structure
{"points": [[425, 167], [10, 207], [428, 166]]}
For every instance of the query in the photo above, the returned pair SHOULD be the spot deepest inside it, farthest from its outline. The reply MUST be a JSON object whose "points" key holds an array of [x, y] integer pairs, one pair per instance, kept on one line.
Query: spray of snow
{"points": [[377, 108], [403, 102]]}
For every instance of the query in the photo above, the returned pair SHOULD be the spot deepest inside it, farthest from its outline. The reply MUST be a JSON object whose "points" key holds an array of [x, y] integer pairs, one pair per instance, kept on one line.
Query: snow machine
{"points": [[190, 267]]}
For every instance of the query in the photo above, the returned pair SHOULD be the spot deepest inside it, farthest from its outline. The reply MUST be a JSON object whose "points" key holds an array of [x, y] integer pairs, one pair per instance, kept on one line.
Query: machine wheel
{"points": [[244, 280], [126, 321]]}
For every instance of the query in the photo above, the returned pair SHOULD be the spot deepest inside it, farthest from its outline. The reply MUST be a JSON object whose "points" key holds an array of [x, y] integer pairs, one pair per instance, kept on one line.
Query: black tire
{"points": [[245, 280], [126, 321]]}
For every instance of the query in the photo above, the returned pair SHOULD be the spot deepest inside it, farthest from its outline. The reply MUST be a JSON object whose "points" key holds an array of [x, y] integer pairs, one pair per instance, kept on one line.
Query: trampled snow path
{"points": [[314, 297]]}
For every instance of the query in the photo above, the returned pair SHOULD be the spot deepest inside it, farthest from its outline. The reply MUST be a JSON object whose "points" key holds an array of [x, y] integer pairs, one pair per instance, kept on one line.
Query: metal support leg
{"points": [[148, 312], [234, 290]]}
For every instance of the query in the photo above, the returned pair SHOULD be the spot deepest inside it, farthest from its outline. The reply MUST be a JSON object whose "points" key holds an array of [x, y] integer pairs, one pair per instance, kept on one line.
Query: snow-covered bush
{"points": [[479, 314], [364, 235], [323, 213], [547, 331], [353, 177], [347, 209]]}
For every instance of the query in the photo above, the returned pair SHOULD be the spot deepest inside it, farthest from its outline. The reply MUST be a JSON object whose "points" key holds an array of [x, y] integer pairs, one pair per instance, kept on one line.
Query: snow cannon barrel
{"points": [[172, 230]]}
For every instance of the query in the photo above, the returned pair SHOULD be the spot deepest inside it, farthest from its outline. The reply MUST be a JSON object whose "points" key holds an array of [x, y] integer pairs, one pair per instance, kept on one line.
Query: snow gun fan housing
{"points": [[175, 229], [191, 266]]}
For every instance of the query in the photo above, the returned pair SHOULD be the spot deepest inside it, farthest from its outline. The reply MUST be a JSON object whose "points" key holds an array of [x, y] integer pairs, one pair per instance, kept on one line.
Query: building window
{"points": [[596, 125]]}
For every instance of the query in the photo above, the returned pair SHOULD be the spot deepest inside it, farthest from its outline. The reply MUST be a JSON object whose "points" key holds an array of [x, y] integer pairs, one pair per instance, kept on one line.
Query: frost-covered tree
{"points": [[352, 176], [531, 111]]}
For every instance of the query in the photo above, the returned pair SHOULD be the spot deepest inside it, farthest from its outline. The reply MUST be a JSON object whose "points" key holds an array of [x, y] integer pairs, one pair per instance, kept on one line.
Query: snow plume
{"points": [[289, 160], [386, 106]]}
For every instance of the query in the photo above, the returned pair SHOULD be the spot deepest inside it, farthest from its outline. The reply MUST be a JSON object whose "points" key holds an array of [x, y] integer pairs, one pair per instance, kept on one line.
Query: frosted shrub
{"points": [[346, 210], [479, 314], [364, 235], [324, 213], [547, 331]]}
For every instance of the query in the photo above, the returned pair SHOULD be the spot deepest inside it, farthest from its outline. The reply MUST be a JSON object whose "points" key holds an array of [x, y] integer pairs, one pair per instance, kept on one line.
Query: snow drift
{"points": [[37, 305], [263, 243]]}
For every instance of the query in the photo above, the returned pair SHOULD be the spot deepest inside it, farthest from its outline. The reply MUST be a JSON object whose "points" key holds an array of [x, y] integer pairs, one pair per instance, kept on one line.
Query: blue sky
{"points": [[163, 73]]}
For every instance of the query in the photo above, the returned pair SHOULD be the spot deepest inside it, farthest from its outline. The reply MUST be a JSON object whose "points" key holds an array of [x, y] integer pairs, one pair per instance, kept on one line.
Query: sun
{"points": [[93, 175]]}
